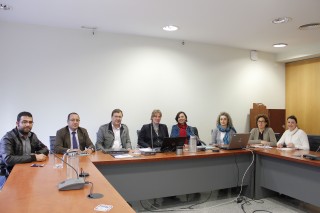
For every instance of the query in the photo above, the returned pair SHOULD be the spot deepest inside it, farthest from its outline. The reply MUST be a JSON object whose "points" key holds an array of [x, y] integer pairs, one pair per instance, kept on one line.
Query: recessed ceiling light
{"points": [[4, 7], [170, 28], [281, 20], [312, 26], [280, 45]]}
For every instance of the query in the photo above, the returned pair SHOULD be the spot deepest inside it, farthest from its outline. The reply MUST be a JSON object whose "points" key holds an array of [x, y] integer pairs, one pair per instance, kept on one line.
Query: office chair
{"points": [[196, 133]]}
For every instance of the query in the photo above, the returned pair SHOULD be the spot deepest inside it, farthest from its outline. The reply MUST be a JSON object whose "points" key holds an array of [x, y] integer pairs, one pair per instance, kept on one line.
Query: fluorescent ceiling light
{"points": [[170, 28], [280, 45]]}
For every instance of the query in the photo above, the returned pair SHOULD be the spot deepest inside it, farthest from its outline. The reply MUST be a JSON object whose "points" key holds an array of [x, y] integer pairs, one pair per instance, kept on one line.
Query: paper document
{"points": [[145, 149], [285, 149], [122, 156]]}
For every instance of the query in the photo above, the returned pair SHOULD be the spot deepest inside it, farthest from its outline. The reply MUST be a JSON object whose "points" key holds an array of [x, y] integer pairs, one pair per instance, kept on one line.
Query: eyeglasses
{"points": [[27, 122], [74, 120], [261, 122]]}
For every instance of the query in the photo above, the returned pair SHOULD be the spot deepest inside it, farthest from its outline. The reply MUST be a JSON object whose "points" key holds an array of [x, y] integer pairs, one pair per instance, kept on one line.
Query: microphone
{"points": [[93, 195], [151, 137], [83, 174], [152, 152], [72, 183]]}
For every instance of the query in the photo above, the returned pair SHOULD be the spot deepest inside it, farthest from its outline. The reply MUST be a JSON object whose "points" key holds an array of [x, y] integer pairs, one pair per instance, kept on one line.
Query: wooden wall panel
{"points": [[303, 93]]}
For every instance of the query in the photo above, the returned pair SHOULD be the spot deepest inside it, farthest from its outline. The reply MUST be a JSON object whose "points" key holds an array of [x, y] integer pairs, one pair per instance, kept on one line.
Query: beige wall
{"points": [[303, 93]]}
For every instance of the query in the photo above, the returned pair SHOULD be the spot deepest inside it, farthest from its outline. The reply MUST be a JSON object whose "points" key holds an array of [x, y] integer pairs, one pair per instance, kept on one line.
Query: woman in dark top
{"points": [[151, 135]]}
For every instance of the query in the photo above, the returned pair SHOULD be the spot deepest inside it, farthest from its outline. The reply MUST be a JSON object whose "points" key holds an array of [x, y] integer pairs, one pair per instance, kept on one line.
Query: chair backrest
{"points": [[200, 142], [52, 140], [195, 131], [278, 136], [314, 142]]}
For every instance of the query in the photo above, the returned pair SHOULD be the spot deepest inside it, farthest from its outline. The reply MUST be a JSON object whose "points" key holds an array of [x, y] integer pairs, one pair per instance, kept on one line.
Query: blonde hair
{"points": [[155, 112], [229, 124]]}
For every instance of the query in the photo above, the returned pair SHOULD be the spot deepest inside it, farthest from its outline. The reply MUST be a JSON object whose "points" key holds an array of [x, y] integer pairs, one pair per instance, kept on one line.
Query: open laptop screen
{"points": [[170, 144], [238, 141]]}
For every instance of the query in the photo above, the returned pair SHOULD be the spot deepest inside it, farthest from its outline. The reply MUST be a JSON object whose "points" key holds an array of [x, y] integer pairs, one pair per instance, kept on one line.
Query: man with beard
{"points": [[20, 145]]}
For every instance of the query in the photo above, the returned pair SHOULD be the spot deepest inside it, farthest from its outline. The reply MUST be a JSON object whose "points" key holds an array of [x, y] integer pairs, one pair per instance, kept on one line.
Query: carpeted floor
{"points": [[222, 202]]}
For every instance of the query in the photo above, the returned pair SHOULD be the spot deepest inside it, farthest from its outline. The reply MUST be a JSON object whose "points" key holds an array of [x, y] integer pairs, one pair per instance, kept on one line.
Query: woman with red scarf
{"points": [[182, 129]]}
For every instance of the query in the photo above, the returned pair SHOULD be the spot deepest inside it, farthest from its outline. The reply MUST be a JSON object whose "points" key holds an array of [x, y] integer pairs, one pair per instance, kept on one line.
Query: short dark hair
{"points": [[28, 114], [177, 116], [293, 117], [72, 113], [265, 118], [116, 111]]}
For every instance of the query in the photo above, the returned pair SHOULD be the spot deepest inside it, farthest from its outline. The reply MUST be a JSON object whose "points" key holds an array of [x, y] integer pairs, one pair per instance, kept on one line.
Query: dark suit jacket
{"points": [[144, 138], [63, 142]]}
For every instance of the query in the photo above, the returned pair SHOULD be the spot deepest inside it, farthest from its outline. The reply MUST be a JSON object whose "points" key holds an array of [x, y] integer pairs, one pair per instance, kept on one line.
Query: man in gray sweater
{"points": [[114, 134]]}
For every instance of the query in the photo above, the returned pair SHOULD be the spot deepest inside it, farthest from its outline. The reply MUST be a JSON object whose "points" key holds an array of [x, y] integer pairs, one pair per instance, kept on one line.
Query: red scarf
{"points": [[183, 131]]}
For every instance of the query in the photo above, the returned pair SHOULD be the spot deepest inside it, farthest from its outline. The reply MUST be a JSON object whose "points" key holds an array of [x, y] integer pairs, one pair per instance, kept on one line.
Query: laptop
{"points": [[115, 151], [170, 144], [238, 141]]}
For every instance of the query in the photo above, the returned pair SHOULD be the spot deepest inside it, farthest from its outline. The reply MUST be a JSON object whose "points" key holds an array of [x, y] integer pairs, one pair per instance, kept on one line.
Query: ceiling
{"points": [[243, 24]]}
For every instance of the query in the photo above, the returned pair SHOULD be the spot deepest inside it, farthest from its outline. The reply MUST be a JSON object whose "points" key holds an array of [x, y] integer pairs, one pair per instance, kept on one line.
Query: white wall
{"points": [[52, 72]]}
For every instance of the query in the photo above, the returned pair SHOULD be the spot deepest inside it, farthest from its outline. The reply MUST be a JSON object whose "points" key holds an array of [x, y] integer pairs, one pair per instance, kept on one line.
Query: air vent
{"points": [[312, 26]]}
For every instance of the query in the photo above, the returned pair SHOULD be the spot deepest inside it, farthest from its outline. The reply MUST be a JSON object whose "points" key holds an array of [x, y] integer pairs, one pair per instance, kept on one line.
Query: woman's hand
{"points": [[265, 143], [290, 145]]}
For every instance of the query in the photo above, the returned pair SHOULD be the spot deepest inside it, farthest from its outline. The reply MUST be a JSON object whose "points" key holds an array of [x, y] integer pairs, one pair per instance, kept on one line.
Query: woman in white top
{"points": [[294, 137]]}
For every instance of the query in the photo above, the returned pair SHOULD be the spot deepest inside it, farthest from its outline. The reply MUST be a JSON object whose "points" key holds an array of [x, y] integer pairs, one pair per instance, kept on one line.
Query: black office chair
{"points": [[314, 142], [52, 140], [199, 142], [138, 133], [278, 136]]}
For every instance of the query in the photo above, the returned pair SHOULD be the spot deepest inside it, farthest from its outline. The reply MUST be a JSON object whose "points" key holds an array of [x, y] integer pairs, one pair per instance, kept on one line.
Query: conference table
{"points": [[287, 172], [168, 174], [34, 189]]}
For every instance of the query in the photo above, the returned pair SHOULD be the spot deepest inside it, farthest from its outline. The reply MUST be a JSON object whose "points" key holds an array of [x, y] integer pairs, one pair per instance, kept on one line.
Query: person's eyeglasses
{"points": [[27, 122], [74, 120], [261, 121]]}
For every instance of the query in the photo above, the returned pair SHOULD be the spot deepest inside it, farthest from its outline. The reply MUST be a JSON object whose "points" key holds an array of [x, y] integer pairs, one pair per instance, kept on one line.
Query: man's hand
{"points": [[41, 157], [88, 151]]}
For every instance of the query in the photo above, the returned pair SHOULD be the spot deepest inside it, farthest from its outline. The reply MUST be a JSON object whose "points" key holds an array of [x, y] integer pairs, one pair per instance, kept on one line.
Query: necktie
{"points": [[74, 141]]}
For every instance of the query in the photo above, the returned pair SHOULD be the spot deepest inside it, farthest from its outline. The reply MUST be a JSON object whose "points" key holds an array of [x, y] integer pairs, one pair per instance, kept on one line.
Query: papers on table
{"points": [[145, 149], [121, 156], [260, 146], [286, 149]]}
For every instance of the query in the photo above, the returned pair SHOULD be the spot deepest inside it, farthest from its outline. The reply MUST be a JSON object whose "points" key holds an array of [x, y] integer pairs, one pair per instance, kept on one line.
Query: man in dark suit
{"points": [[73, 137]]}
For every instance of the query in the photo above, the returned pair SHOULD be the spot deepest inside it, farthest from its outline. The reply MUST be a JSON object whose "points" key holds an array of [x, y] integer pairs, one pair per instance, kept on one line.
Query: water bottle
{"points": [[73, 160], [193, 144]]}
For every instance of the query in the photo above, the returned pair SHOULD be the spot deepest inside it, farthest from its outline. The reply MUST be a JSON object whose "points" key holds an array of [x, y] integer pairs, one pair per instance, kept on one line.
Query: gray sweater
{"points": [[105, 137], [268, 135]]}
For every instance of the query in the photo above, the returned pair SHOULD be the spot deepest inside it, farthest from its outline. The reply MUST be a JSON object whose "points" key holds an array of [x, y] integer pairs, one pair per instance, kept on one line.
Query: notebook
{"points": [[115, 151], [238, 141], [170, 144]]}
